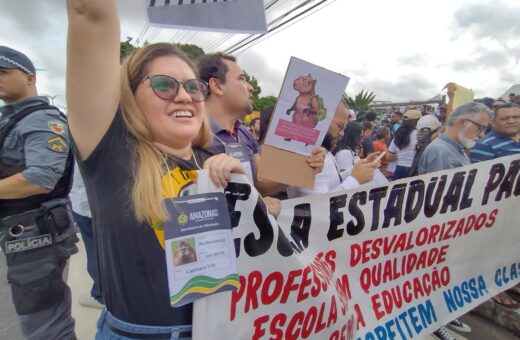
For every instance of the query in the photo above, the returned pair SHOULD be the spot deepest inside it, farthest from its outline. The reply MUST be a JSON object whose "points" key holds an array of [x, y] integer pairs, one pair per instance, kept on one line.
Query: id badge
{"points": [[199, 248], [238, 151]]}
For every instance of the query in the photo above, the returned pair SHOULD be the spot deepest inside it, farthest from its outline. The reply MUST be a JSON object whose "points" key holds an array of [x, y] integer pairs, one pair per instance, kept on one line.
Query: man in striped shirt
{"points": [[503, 140]]}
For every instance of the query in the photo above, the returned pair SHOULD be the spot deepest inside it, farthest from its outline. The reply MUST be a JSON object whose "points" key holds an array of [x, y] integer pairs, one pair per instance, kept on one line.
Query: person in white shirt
{"points": [[331, 178], [403, 145], [347, 149], [83, 219]]}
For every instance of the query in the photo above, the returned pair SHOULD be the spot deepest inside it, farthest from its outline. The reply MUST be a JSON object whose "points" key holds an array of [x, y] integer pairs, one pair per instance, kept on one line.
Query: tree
{"points": [[193, 52], [262, 102], [360, 102], [252, 80], [126, 47], [259, 103]]}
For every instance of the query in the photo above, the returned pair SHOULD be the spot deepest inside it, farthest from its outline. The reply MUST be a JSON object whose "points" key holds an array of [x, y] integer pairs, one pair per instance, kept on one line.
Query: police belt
{"points": [[47, 221]]}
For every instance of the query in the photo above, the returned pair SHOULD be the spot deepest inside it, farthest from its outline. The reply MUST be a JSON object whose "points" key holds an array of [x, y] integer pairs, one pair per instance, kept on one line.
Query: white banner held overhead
{"points": [[394, 261], [241, 16]]}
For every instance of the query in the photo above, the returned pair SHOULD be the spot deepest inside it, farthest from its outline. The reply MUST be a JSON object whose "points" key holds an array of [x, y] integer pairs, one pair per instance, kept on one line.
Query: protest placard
{"points": [[243, 16], [397, 260], [305, 107], [307, 102]]}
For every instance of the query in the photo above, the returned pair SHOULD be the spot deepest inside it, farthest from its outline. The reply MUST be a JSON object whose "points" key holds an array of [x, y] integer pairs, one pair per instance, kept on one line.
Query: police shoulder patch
{"points": [[56, 126], [58, 144]]}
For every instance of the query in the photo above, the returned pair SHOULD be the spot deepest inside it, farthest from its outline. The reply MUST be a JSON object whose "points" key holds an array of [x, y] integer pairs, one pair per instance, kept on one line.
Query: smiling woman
{"points": [[139, 136]]}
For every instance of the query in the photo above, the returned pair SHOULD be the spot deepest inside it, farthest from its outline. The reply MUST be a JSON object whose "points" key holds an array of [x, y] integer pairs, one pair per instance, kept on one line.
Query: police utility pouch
{"points": [[53, 220]]}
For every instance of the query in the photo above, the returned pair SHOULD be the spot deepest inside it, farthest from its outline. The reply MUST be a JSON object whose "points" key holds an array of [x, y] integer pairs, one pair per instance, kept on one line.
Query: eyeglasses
{"points": [[479, 126], [167, 88]]}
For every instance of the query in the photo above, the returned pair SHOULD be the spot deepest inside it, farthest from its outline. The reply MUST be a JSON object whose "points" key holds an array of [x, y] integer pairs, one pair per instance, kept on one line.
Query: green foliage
{"points": [[360, 102], [252, 80], [194, 52], [260, 103], [126, 48]]}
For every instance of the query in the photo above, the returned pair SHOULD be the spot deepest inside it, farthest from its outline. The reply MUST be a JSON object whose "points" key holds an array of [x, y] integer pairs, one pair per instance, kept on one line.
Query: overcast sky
{"points": [[400, 49]]}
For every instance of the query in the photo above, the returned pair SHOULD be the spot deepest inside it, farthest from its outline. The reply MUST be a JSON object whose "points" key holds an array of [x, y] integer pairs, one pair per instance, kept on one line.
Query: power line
{"points": [[284, 28], [284, 15], [216, 41], [142, 33], [242, 45]]}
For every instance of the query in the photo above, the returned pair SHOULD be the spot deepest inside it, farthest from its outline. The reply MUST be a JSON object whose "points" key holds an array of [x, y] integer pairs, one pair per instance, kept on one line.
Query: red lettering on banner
{"points": [[254, 281], [372, 249], [469, 224], [392, 269], [291, 333], [277, 287], [333, 312], [422, 237], [259, 330], [492, 217], [306, 282], [290, 285], [266, 297], [329, 258], [361, 320], [447, 233], [434, 231], [276, 331], [302, 324], [481, 220], [385, 302], [459, 229], [320, 325], [310, 321]]}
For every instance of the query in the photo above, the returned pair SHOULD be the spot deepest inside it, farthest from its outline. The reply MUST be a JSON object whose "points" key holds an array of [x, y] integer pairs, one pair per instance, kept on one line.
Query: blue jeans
{"points": [[87, 234], [105, 333]]}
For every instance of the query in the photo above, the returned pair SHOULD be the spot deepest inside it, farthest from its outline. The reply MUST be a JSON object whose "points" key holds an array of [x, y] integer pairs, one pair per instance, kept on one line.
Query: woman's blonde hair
{"points": [[148, 163]]}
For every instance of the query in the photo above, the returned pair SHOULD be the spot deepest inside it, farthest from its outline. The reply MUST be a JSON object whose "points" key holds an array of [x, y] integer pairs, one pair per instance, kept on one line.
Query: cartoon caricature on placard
{"points": [[308, 106], [307, 102]]}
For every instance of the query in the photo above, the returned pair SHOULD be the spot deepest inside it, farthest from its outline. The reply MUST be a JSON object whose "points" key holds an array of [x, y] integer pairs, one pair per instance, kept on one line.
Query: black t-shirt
{"points": [[131, 258]]}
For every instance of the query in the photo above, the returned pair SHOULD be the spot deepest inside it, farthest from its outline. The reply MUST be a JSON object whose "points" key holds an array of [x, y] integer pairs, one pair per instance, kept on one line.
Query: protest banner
{"points": [[241, 16], [392, 261]]}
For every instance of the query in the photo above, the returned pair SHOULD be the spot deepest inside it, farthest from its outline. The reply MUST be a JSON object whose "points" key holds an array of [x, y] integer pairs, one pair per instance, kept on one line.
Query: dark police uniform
{"points": [[37, 233]]}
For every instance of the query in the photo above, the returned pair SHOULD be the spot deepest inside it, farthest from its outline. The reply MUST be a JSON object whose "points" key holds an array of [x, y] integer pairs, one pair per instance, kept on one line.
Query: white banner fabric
{"points": [[394, 261]]}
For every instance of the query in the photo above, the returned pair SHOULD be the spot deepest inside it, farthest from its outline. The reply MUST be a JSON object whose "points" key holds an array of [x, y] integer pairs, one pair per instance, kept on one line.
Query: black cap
{"points": [[10, 58]]}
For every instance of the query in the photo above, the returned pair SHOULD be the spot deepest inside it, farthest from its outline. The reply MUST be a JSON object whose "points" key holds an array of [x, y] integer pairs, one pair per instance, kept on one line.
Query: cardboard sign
{"points": [[308, 100]]}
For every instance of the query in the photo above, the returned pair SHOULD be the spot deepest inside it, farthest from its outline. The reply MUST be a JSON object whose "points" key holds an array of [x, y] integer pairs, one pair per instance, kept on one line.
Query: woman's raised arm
{"points": [[93, 77]]}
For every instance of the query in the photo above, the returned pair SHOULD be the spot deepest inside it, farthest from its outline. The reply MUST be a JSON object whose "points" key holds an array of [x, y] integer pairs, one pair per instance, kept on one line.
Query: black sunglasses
{"points": [[167, 88]]}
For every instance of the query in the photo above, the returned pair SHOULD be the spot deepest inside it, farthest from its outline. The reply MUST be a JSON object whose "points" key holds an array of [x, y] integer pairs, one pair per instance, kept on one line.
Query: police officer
{"points": [[36, 228]]}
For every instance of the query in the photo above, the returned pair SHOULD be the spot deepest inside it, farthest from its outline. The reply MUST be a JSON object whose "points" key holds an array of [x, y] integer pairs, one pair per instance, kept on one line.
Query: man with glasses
{"points": [[331, 177], [464, 127], [229, 100]]}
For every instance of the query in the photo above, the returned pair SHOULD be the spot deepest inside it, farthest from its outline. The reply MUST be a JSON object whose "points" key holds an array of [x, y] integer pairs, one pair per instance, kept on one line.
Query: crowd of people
{"points": [[139, 132]]}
